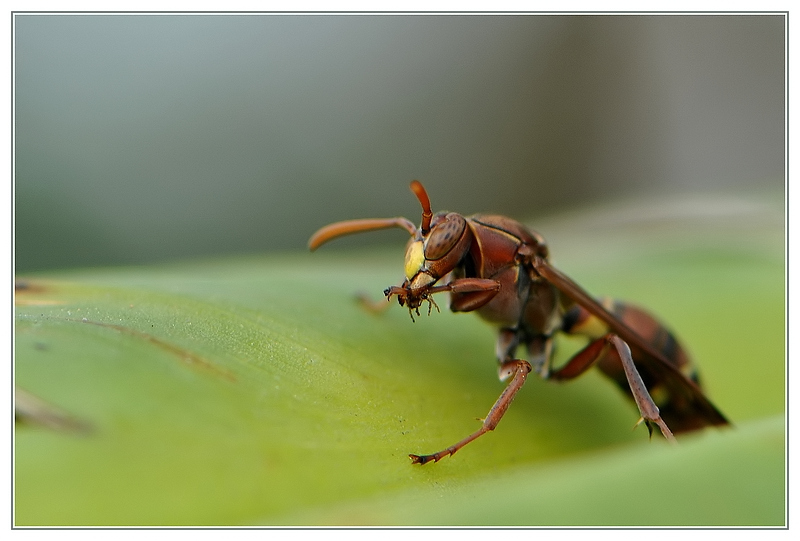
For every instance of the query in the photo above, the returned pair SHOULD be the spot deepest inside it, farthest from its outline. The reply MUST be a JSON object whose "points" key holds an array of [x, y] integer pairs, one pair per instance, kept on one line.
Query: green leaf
{"points": [[258, 391]]}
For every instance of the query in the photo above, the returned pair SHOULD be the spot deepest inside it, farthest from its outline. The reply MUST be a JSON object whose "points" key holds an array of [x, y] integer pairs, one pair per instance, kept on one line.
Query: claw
{"points": [[432, 304], [436, 457], [647, 423], [416, 459], [660, 424], [412, 301]]}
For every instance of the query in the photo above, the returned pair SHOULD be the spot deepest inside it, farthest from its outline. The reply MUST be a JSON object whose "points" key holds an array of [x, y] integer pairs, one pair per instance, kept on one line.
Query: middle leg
{"points": [[519, 371]]}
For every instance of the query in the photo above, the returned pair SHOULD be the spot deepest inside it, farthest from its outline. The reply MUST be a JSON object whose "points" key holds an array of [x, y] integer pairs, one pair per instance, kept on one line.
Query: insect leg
{"points": [[596, 350], [468, 294], [373, 307], [519, 370]]}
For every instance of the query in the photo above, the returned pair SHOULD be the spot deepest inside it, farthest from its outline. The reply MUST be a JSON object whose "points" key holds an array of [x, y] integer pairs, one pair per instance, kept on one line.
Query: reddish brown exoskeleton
{"points": [[497, 267]]}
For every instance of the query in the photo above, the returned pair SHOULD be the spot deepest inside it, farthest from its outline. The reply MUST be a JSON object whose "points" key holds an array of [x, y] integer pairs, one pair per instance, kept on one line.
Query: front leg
{"points": [[467, 294]]}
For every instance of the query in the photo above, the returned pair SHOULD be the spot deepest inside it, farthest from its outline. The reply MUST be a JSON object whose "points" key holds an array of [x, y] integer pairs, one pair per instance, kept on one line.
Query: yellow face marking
{"points": [[415, 257]]}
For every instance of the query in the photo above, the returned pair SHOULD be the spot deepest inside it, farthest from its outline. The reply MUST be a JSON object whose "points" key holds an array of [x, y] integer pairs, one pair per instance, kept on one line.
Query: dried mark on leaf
{"points": [[26, 286], [26, 294], [187, 357], [32, 410]]}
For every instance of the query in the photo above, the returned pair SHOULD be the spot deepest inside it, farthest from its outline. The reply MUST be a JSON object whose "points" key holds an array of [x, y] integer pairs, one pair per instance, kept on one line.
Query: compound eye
{"points": [[443, 236]]}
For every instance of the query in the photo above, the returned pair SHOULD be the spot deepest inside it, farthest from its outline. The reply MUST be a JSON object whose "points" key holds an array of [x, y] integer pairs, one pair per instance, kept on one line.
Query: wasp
{"points": [[498, 268]]}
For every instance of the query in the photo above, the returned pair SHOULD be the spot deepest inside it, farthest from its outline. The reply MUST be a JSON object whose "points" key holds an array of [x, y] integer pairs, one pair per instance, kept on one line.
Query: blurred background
{"points": [[141, 138]]}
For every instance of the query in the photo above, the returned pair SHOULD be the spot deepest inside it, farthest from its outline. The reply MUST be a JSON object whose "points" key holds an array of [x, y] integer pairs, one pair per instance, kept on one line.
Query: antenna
{"points": [[422, 195]]}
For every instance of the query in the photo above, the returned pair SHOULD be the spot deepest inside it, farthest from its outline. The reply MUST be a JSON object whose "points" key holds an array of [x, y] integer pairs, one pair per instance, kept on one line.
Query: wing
{"points": [[696, 409]]}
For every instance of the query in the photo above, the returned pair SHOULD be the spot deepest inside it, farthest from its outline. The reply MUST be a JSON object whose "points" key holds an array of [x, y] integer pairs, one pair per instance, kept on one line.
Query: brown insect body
{"points": [[497, 267]]}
